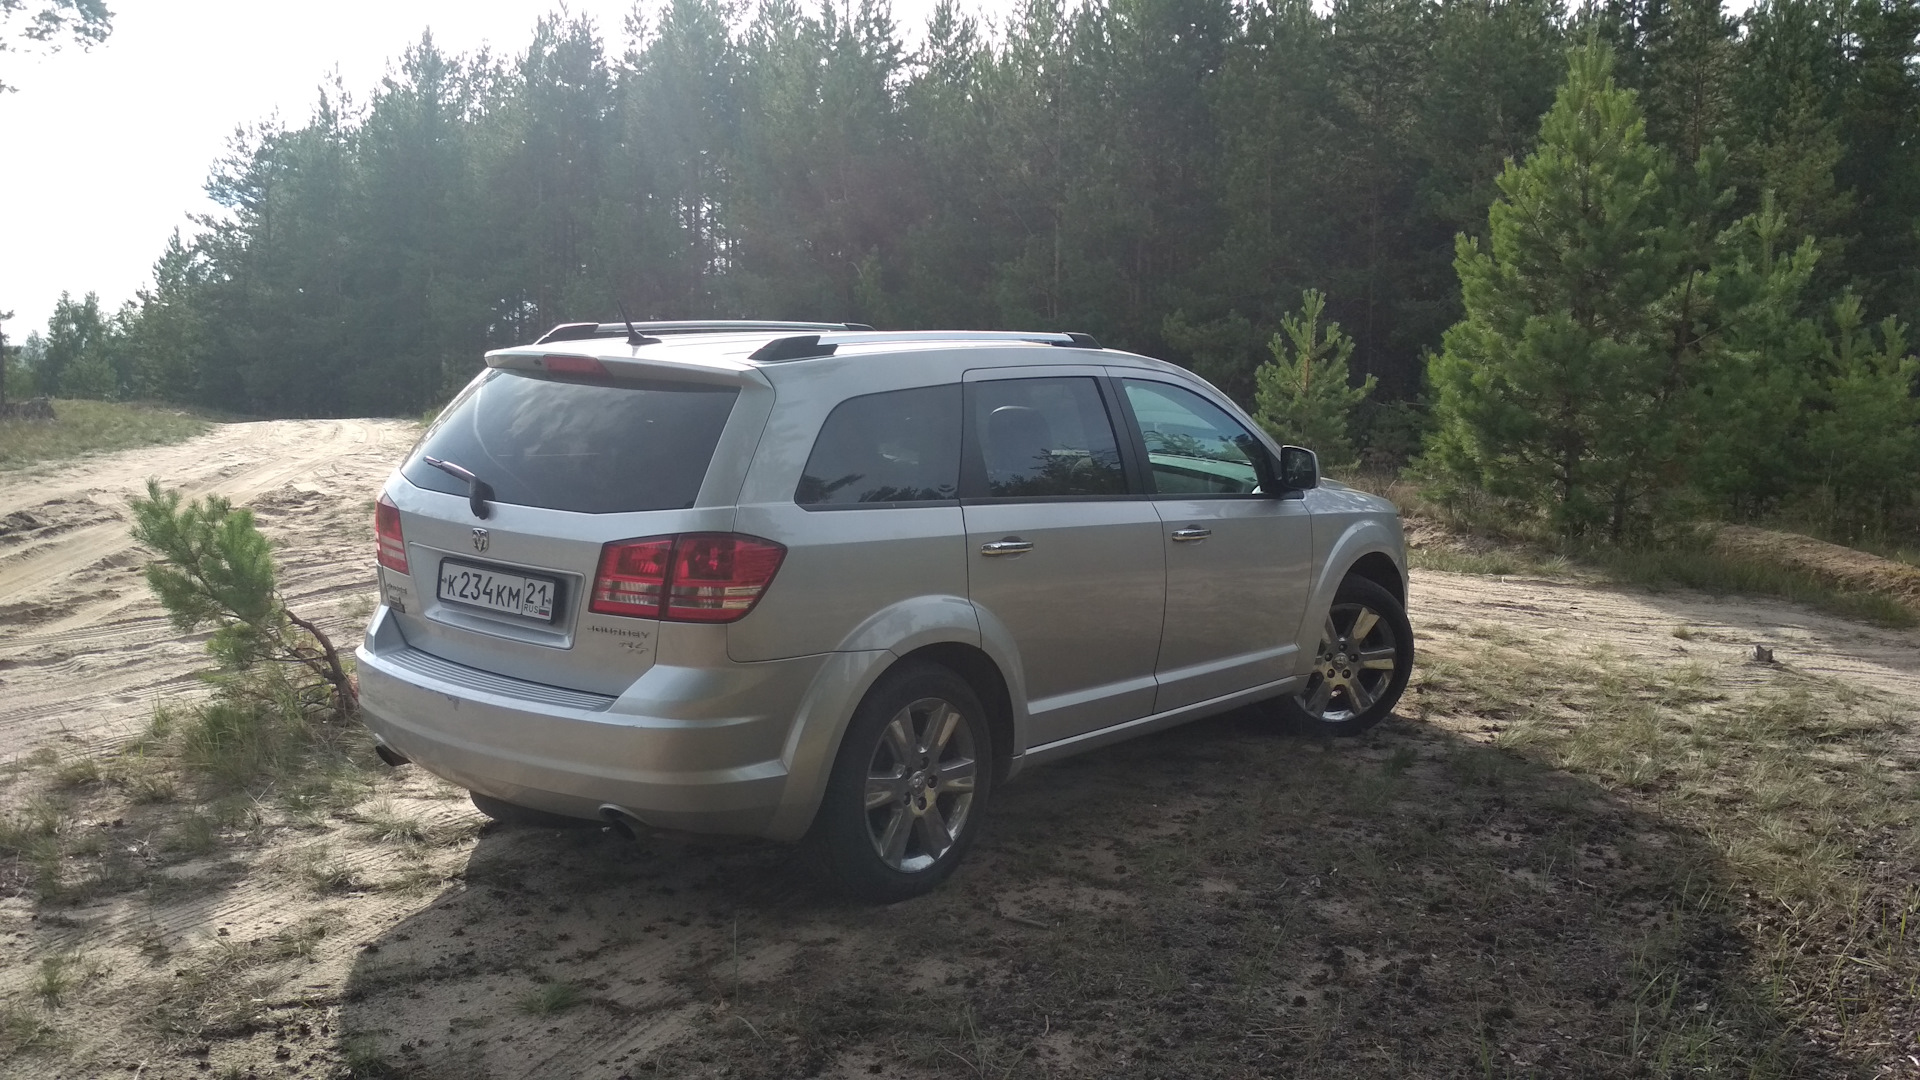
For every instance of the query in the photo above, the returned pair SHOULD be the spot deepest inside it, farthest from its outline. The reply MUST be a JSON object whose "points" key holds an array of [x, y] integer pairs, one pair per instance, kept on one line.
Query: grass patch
{"points": [[257, 755], [263, 737], [322, 873], [1802, 789], [34, 842], [1723, 573], [362, 1059], [59, 975], [79, 772], [1687, 562], [22, 1030], [386, 823], [1495, 562], [551, 998], [89, 426]]}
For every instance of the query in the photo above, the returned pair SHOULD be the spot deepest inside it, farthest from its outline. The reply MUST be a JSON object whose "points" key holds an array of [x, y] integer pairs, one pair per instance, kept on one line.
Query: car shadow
{"points": [[1213, 900]]}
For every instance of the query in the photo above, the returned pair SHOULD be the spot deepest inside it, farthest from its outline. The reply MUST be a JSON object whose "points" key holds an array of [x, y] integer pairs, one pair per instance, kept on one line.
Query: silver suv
{"points": [[810, 581]]}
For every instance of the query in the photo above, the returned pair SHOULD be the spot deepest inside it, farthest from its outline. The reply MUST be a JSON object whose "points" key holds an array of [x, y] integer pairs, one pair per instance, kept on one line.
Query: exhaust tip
{"points": [[622, 821], [388, 755]]}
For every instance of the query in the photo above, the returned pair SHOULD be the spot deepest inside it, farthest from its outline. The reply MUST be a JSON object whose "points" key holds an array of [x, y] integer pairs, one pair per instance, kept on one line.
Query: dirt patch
{"points": [[1841, 567]]}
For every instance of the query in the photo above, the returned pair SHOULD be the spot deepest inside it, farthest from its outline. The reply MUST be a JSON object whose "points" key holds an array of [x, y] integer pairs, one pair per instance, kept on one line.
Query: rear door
{"points": [[572, 463], [1237, 555], [1064, 553]]}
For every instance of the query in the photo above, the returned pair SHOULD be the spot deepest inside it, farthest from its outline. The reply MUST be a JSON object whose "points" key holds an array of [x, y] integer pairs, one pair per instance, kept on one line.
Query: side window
{"points": [[1042, 438], [1193, 446], [901, 446]]}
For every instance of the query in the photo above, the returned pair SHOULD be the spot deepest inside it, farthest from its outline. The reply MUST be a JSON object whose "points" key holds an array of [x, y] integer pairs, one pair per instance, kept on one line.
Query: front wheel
{"points": [[1360, 666], [909, 785]]}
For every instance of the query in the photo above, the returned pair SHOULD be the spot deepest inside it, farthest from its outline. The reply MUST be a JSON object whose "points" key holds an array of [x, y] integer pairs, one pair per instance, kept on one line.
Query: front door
{"points": [[1238, 557], [1062, 552]]}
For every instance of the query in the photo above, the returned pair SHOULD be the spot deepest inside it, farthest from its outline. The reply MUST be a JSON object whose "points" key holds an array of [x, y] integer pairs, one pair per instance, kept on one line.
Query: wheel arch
{"points": [[1368, 546], [1379, 568], [941, 629], [980, 672]]}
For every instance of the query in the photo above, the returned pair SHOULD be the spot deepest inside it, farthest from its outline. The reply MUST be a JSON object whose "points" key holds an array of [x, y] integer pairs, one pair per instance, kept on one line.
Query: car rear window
{"points": [[589, 447], [902, 446]]}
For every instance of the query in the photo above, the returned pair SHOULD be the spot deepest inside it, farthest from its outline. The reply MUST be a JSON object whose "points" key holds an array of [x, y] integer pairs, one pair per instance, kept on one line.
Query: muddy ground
{"points": [[1211, 901]]}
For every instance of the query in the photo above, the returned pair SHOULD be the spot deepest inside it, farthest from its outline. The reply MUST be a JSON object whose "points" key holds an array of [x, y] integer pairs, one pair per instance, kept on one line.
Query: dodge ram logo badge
{"points": [[481, 538]]}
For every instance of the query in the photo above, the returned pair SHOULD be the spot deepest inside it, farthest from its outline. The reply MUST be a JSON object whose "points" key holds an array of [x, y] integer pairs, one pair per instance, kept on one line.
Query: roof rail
{"points": [[581, 331], [811, 345]]}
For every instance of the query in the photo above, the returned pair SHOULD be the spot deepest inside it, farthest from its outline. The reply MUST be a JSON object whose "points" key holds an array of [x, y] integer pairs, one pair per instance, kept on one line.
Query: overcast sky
{"points": [[102, 154]]}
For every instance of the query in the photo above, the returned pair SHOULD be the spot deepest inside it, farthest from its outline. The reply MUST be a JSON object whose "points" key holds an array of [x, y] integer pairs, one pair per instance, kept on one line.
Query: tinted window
{"points": [[1193, 446], [565, 445], [1046, 437], [902, 446]]}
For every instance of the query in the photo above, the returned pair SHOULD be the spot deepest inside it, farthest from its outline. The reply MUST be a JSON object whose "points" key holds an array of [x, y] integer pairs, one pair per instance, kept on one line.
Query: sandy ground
{"points": [[1719, 633], [431, 951], [85, 650]]}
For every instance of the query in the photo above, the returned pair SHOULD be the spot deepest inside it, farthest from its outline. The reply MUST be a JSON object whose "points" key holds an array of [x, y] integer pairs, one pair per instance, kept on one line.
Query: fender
{"points": [[1355, 538], [935, 620], [850, 671]]}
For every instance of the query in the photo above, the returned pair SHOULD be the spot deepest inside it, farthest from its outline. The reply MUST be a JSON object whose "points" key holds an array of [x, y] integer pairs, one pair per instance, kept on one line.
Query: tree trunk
{"points": [[346, 697]]}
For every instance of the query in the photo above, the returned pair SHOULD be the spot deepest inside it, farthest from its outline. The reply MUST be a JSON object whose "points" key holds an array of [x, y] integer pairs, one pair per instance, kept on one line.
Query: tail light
{"points": [[392, 547], [693, 577], [718, 577], [632, 578]]}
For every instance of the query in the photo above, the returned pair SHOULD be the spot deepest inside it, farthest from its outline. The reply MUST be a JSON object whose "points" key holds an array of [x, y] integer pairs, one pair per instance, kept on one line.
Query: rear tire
{"points": [[909, 786], [1361, 664], [508, 813]]}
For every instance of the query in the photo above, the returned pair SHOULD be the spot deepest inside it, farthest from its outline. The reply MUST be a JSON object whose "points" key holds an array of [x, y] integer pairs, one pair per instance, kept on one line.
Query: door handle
{"points": [[1012, 545], [1190, 534]]}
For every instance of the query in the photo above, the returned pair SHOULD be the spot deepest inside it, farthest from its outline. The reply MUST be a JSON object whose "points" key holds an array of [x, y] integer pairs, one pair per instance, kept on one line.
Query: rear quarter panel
{"points": [[843, 566]]}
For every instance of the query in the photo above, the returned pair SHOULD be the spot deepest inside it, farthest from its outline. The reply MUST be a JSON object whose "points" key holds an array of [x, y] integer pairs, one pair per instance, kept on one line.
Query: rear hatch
{"points": [[500, 568]]}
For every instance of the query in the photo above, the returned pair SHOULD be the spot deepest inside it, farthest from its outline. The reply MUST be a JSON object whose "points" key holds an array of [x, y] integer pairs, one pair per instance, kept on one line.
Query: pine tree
{"points": [[1757, 353], [1863, 439], [1303, 394], [216, 569], [75, 363], [1554, 390]]}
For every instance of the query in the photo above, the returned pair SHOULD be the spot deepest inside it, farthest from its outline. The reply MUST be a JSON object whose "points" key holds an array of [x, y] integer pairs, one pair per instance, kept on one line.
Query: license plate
{"points": [[497, 590]]}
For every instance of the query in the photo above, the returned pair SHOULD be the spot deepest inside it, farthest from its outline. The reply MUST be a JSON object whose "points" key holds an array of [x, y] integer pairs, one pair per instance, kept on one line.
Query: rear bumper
{"points": [[684, 748]]}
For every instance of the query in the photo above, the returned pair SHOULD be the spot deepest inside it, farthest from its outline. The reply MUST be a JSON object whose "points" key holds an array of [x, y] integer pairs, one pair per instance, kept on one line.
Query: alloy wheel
{"points": [[920, 784], [1354, 665]]}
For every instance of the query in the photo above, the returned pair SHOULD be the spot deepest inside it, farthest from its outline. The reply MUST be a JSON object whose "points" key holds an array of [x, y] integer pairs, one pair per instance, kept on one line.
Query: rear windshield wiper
{"points": [[478, 490]]}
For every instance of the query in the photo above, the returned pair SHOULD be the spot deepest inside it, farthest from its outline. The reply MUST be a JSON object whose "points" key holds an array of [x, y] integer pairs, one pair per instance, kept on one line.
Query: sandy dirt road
{"points": [[85, 651], [431, 952]]}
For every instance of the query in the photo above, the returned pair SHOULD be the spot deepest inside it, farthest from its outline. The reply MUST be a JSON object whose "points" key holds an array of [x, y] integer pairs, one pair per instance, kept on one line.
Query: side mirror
{"points": [[1299, 469]]}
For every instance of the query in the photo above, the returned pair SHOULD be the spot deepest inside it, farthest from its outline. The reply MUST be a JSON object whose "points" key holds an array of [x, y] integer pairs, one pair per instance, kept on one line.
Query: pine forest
{"points": [[1610, 266]]}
